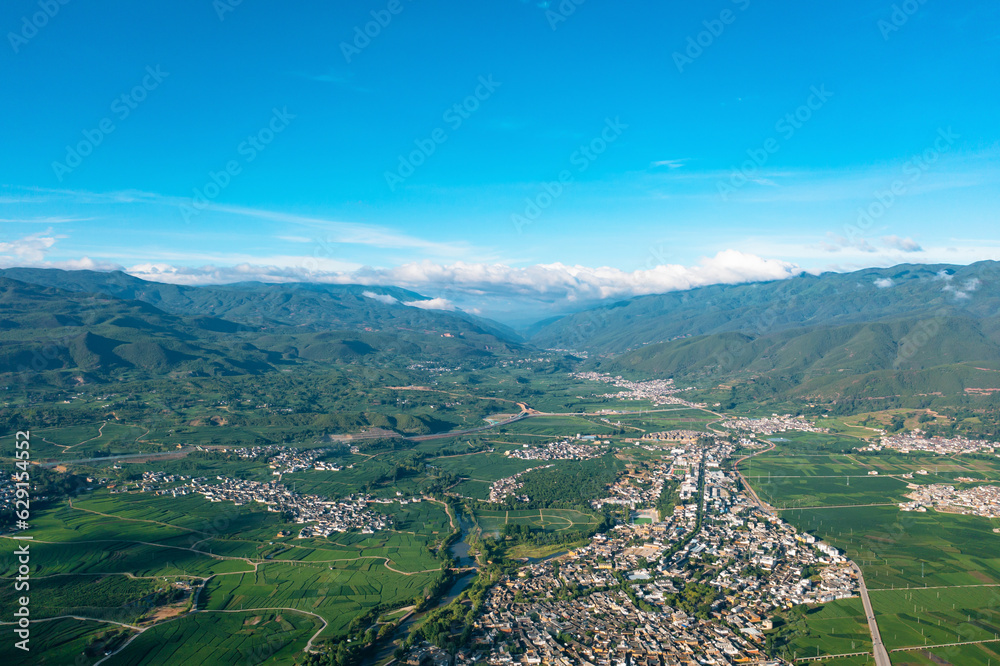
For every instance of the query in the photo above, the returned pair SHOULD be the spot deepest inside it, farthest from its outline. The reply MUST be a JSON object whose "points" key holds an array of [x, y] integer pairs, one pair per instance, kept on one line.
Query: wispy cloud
{"points": [[671, 164], [902, 244], [329, 231], [333, 77], [44, 220]]}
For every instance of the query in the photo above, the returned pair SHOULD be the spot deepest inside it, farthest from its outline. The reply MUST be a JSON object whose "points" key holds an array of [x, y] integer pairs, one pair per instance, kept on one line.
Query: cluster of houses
{"points": [[324, 516], [297, 460], [771, 424], [915, 440], [567, 449], [252, 452], [657, 391], [502, 488], [639, 486], [682, 436], [979, 501], [620, 600], [159, 483], [605, 627]]}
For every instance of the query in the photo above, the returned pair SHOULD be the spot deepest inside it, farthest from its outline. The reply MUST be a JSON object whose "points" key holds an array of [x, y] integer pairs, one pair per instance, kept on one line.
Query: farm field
{"points": [[949, 562], [65, 641], [117, 598], [484, 466], [937, 616], [557, 426], [551, 520], [896, 549], [671, 418], [941, 469], [985, 653], [338, 592], [222, 638], [837, 627], [473, 488], [787, 492]]}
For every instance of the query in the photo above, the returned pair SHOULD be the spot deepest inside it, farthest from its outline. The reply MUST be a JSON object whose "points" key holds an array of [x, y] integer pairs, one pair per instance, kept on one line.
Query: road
{"points": [[179, 453], [764, 506], [881, 656]]}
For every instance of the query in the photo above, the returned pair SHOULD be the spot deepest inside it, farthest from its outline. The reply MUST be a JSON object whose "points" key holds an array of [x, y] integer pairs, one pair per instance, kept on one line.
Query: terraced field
{"points": [[274, 637]]}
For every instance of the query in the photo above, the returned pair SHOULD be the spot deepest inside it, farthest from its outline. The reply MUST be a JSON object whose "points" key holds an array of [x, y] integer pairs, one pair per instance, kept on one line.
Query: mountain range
{"points": [[902, 330], [94, 325]]}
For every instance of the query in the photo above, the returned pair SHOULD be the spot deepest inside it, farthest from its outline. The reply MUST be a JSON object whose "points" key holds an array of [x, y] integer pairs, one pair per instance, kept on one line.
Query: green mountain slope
{"points": [[899, 357], [318, 307], [50, 335], [760, 309]]}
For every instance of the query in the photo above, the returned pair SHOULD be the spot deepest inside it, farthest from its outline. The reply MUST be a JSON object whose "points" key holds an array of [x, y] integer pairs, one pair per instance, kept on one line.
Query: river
{"points": [[460, 551]]}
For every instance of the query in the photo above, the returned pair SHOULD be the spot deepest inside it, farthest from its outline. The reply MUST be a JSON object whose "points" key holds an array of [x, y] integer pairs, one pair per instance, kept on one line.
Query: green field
{"points": [[550, 520], [558, 426], [484, 466], [939, 616], [338, 592], [837, 627], [58, 642], [955, 557], [274, 637]]}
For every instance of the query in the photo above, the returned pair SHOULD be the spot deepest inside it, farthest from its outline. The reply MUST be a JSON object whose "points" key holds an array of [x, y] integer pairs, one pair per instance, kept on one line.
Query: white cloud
{"points": [[382, 298], [884, 283], [29, 249], [578, 283], [461, 280], [432, 304], [904, 244], [963, 291]]}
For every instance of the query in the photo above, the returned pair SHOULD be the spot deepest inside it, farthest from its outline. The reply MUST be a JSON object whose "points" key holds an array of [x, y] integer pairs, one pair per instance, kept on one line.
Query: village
{"points": [[981, 501], [771, 425], [579, 448], [327, 516], [502, 488], [915, 440], [657, 391], [700, 585]]}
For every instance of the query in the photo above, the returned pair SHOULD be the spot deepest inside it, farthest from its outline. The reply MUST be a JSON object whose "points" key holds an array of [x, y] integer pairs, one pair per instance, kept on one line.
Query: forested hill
{"points": [[56, 336], [317, 307], [805, 302]]}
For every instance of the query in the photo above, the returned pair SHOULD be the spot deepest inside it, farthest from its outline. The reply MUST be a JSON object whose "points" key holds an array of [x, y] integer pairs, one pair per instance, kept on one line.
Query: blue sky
{"points": [[502, 152]]}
